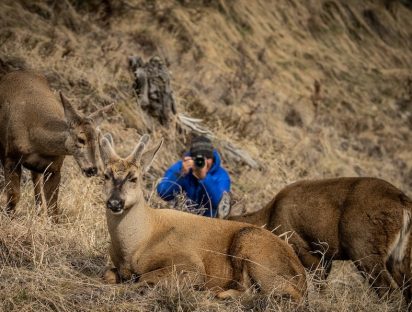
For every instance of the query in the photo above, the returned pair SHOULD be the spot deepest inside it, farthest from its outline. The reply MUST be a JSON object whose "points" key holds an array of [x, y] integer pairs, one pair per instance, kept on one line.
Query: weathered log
{"points": [[152, 86], [227, 149]]}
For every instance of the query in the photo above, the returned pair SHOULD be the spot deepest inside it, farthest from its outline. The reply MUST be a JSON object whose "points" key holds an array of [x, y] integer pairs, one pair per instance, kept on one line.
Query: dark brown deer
{"points": [[366, 220], [37, 131]]}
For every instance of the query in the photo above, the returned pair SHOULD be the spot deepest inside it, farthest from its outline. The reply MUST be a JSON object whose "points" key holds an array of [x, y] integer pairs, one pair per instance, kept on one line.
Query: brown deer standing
{"points": [[37, 132], [366, 220], [150, 243]]}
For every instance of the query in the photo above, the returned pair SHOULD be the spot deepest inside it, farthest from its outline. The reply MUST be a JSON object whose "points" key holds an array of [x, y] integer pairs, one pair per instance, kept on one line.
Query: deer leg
{"points": [[368, 247], [312, 261], [184, 268], [241, 282], [2, 154], [52, 178], [403, 278], [263, 260], [111, 276], [2, 159], [37, 183], [185, 274], [373, 268], [12, 175], [401, 273], [230, 294], [119, 274], [154, 277]]}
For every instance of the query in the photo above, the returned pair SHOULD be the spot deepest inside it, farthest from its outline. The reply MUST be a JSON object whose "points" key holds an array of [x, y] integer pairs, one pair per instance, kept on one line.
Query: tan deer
{"points": [[228, 257], [37, 131], [366, 220]]}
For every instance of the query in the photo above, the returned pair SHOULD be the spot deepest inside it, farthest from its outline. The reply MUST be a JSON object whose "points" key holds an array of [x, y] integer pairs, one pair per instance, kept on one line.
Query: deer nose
{"points": [[92, 171], [115, 205]]}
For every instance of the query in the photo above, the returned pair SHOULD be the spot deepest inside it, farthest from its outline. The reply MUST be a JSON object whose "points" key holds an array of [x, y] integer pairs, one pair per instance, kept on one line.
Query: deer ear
{"points": [[106, 150], [70, 112], [147, 157], [97, 116]]}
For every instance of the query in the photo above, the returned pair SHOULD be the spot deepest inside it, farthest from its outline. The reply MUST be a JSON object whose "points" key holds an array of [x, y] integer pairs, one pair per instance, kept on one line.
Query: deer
{"points": [[148, 245], [363, 219], [37, 131]]}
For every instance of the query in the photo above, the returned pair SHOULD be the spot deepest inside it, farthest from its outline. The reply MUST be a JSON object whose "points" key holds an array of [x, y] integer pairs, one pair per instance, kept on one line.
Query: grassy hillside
{"points": [[310, 89]]}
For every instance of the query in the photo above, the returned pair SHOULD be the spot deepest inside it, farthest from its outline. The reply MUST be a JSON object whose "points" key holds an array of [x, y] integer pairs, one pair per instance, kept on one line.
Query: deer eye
{"points": [[133, 180], [81, 141]]}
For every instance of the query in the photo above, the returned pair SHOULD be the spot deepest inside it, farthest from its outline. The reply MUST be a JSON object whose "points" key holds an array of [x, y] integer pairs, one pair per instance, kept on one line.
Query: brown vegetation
{"points": [[249, 69]]}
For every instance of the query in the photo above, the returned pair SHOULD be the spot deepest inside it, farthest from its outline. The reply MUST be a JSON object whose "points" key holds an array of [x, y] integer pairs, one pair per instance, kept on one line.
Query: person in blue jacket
{"points": [[199, 175]]}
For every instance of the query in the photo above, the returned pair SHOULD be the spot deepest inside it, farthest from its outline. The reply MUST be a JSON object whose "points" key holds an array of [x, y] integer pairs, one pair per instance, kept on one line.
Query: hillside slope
{"points": [[310, 89]]}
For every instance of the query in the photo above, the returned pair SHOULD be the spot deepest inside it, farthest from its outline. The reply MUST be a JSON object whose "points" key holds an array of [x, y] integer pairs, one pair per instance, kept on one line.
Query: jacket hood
{"points": [[216, 162]]}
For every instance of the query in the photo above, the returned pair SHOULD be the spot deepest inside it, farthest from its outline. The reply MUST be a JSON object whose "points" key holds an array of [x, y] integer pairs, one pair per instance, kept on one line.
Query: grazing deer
{"points": [[366, 220], [37, 132], [149, 243]]}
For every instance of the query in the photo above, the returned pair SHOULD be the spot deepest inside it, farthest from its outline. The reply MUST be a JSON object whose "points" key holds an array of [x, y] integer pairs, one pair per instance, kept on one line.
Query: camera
{"points": [[199, 161]]}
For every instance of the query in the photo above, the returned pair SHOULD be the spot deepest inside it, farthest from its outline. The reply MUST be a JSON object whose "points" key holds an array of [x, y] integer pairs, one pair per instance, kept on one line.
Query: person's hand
{"points": [[187, 164], [200, 173]]}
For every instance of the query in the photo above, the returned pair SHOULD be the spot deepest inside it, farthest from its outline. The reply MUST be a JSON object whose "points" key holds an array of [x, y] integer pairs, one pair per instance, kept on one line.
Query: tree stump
{"points": [[152, 86]]}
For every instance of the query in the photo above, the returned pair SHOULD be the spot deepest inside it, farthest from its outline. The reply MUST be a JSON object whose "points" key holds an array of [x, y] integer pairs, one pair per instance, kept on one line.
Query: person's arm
{"points": [[171, 183], [215, 186]]}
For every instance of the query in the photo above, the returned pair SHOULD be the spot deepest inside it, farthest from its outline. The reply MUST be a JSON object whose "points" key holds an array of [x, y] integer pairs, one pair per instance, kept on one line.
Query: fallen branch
{"points": [[194, 124], [239, 155], [227, 149]]}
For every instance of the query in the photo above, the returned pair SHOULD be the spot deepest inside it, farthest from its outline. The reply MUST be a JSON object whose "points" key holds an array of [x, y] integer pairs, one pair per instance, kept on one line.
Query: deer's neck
{"points": [[259, 217], [130, 230], [50, 139]]}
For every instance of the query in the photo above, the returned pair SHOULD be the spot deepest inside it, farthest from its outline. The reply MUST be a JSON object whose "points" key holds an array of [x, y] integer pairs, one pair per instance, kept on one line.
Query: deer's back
{"points": [[26, 101], [197, 231], [327, 210], [180, 235]]}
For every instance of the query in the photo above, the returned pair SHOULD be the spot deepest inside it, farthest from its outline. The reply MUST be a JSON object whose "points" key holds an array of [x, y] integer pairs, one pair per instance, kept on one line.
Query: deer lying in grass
{"points": [[366, 220], [152, 243], [37, 132]]}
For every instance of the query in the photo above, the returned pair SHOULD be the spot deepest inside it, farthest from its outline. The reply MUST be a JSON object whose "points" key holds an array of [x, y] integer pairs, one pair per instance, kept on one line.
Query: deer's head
{"points": [[123, 176], [82, 141]]}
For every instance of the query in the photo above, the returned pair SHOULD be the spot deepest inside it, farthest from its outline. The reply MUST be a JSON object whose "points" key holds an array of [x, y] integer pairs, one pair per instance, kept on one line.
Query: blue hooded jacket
{"points": [[205, 193]]}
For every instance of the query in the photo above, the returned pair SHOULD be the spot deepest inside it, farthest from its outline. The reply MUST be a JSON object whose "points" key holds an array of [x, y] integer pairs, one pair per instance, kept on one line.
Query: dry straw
{"points": [[248, 70]]}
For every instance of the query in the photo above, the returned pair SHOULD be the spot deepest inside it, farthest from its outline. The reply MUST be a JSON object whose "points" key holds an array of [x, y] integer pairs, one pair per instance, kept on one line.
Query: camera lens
{"points": [[199, 161]]}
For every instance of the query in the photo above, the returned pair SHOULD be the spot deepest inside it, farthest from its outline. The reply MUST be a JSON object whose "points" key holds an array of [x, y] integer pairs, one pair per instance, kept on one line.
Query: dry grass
{"points": [[58, 267], [247, 68]]}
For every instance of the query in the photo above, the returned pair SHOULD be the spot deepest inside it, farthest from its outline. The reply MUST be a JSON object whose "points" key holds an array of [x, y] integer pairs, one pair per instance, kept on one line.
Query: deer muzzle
{"points": [[116, 205], [89, 172]]}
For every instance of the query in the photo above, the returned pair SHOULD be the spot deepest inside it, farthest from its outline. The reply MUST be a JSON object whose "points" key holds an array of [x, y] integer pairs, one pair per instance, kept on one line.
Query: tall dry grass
{"points": [[247, 68], [58, 267]]}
